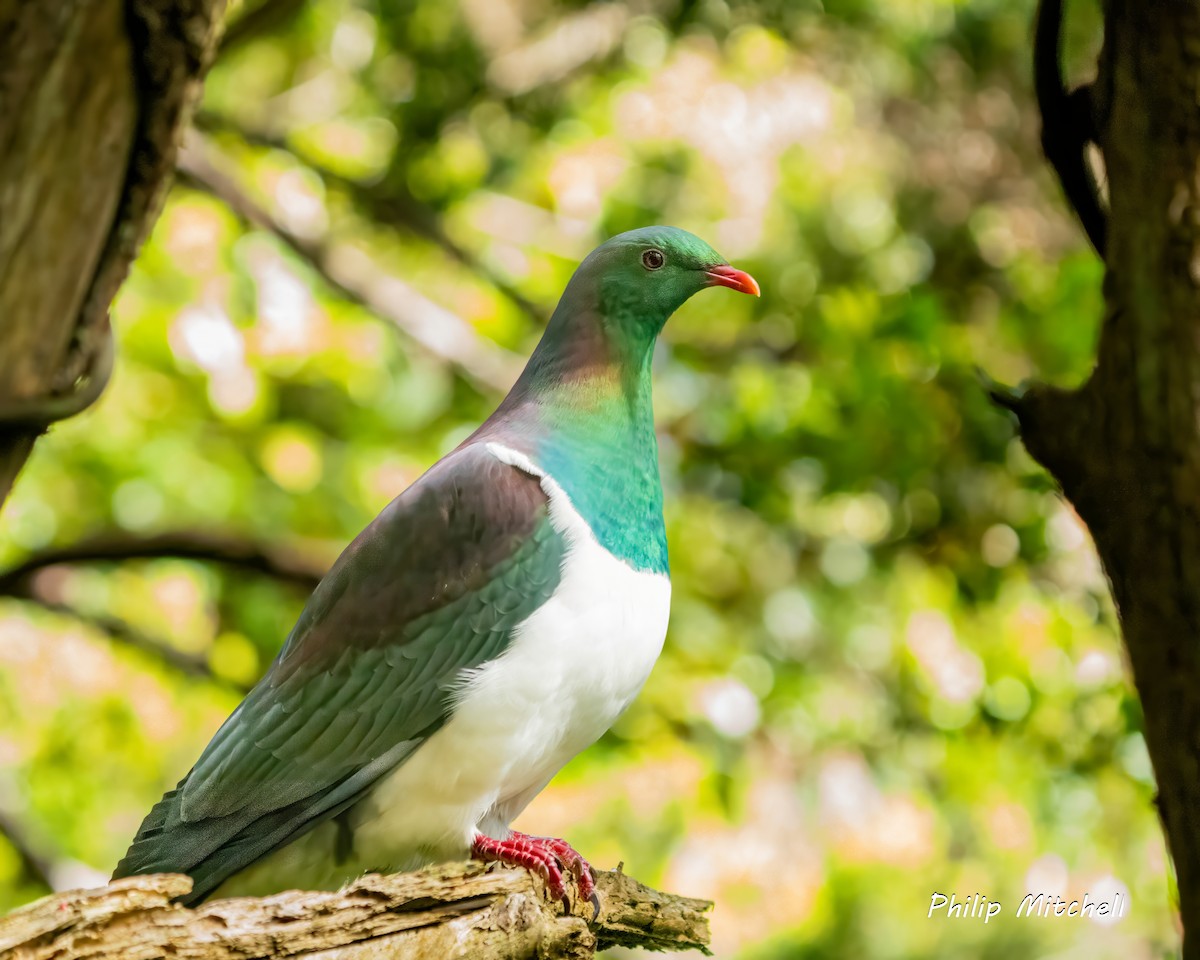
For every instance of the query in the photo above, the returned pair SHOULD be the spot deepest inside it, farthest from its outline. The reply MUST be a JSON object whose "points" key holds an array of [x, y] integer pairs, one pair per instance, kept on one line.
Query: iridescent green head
{"points": [[652, 271], [581, 410], [616, 304]]}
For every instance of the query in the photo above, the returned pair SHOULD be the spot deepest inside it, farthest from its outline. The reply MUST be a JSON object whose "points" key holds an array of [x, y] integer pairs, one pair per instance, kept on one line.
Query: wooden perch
{"points": [[440, 913]]}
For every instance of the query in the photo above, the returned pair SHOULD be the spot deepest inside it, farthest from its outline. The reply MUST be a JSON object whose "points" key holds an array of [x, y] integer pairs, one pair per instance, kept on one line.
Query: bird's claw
{"points": [[545, 856], [570, 858]]}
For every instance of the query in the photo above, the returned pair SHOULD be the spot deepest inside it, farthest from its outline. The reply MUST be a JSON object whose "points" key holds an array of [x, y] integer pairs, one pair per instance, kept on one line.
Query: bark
{"points": [[442, 913], [1126, 446], [92, 97]]}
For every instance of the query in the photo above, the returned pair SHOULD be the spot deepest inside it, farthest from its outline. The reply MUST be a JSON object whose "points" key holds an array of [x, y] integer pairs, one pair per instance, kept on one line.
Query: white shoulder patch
{"points": [[574, 664], [563, 515]]}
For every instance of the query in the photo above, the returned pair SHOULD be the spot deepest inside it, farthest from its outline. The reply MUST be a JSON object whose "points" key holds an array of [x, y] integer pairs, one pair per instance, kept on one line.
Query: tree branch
{"points": [[20, 582], [561, 47], [40, 862], [234, 552], [38, 413], [455, 910], [392, 205], [441, 333], [1068, 125], [1125, 446], [86, 153], [122, 633], [35, 864], [263, 19]]}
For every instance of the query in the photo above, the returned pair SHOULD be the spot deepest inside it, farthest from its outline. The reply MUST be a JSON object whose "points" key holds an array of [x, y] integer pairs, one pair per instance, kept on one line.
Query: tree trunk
{"points": [[464, 911], [1126, 446], [92, 97]]}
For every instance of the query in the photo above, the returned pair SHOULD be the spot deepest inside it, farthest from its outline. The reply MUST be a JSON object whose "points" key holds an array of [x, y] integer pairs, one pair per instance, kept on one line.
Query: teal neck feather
{"points": [[582, 411]]}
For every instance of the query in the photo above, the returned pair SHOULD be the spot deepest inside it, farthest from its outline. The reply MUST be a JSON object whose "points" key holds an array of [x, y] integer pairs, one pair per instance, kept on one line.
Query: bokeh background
{"points": [[893, 666]]}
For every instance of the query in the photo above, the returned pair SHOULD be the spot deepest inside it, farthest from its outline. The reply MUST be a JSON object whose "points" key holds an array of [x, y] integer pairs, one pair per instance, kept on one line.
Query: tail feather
{"points": [[166, 843], [146, 854], [212, 850]]}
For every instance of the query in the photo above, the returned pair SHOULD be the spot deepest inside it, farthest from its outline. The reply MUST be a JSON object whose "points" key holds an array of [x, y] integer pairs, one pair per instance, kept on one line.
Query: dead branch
{"points": [[440, 913]]}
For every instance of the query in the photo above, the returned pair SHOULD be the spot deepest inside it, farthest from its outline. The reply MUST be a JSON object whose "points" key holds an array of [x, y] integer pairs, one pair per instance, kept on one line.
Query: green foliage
{"points": [[893, 667]]}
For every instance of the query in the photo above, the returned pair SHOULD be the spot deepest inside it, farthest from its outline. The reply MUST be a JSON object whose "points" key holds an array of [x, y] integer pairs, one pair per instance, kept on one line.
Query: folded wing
{"points": [[434, 586]]}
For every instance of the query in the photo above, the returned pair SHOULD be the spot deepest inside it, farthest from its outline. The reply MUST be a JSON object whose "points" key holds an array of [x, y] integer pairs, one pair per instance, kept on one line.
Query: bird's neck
{"points": [[598, 335], [582, 411]]}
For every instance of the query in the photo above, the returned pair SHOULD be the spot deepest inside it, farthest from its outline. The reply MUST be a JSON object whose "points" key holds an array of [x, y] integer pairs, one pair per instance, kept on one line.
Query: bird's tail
{"points": [[166, 843], [152, 850], [213, 849]]}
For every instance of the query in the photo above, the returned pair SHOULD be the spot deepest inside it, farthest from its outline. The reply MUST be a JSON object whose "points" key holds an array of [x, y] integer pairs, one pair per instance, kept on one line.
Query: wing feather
{"points": [[433, 587]]}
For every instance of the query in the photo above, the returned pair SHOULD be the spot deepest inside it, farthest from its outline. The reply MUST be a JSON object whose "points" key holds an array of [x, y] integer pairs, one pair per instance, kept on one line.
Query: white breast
{"points": [[572, 668]]}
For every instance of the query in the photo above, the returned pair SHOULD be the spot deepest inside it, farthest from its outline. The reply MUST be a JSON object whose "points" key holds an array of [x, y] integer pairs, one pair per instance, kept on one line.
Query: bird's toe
{"points": [[520, 850]]}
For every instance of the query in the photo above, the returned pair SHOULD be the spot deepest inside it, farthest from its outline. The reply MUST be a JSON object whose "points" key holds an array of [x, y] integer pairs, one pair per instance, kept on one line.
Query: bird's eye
{"points": [[653, 259]]}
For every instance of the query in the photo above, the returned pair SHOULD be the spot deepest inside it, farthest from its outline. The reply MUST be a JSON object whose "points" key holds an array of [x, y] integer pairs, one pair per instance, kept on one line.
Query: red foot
{"points": [[544, 856]]}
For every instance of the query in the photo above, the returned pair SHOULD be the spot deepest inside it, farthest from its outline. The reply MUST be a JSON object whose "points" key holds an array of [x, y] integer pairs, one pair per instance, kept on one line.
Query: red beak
{"points": [[734, 279]]}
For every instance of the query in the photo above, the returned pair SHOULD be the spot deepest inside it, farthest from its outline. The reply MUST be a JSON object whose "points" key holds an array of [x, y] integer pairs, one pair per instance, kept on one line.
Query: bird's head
{"points": [[618, 301], [649, 273]]}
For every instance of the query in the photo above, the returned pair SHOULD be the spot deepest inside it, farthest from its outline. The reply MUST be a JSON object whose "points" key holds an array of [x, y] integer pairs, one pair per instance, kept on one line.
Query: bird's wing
{"points": [[434, 586]]}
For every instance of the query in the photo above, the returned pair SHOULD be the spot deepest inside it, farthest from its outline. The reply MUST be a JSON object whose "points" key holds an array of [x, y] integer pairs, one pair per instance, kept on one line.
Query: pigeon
{"points": [[493, 621]]}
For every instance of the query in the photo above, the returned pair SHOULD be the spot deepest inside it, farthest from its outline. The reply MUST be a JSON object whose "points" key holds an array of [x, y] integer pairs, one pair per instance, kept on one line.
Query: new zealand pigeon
{"points": [[493, 621]]}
